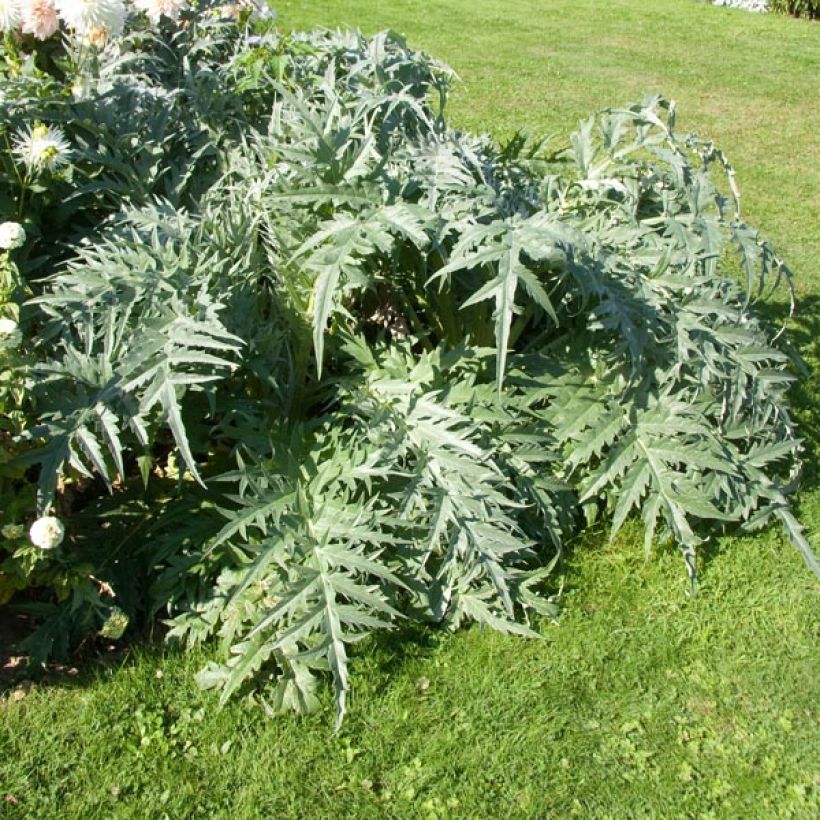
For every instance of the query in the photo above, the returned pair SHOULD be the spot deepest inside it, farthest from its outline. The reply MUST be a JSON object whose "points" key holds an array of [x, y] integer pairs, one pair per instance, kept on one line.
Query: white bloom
{"points": [[10, 335], [90, 18], [42, 148], [12, 235], [261, 9], [9, 14], [39, 17], [159, 8], [47, 532]]}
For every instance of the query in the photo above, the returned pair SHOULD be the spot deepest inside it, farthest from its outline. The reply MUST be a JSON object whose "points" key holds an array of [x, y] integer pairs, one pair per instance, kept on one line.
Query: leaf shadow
{"points": [[94, 657]]}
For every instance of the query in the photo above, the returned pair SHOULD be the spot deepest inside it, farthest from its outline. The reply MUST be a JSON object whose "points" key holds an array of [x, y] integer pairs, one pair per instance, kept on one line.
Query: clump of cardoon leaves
{"points": [[381, 370]]}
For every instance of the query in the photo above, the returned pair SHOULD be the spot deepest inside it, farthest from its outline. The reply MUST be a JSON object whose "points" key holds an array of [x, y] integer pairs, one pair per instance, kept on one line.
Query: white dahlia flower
{"points": [[9, 14], [161, 8], [89, 18], [12, 235], [42, 148], [47, 532], [39, 17]]}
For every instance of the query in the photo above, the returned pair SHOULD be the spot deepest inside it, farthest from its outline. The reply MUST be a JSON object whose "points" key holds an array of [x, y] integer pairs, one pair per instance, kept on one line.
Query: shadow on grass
{"points": [[805, 336], [91, 659], [802, 336]]}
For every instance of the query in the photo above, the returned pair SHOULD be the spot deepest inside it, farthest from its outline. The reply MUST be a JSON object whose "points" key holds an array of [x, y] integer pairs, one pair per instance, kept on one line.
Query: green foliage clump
{"points": [[336, 366], [797, 8]]}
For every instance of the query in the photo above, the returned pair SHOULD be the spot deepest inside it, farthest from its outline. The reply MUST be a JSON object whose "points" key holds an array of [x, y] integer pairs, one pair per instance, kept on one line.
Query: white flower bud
{"points": [[12, 532], [47, 532], [10, 335], [12, 236], [115, 624]]}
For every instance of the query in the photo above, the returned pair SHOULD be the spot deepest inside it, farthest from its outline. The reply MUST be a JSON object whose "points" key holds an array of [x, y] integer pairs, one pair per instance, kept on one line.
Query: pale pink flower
{"points": [[39, 17], [161, 8]]}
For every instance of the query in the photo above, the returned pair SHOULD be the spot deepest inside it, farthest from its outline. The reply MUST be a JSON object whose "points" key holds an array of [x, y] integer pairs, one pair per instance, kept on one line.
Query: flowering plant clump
{"points": [[91, 20], [70, 105], [96, 21], [301, 362]]}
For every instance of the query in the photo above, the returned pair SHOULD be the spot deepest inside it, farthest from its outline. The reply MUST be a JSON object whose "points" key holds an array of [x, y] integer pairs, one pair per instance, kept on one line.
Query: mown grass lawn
{"points": [[639, 701]]}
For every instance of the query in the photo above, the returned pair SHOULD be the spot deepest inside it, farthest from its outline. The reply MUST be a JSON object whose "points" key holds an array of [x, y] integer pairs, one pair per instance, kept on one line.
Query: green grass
{"points": [[640, 701]]}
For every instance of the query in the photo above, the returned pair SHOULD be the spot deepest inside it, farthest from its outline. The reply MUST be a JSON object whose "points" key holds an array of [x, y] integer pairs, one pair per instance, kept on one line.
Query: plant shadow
{"points": [[802, 336], [91, 659]]}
